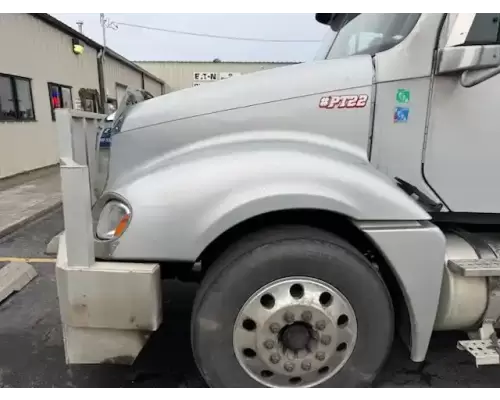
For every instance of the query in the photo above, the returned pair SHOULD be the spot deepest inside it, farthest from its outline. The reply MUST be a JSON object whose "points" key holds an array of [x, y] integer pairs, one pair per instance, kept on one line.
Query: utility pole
{"points": [[105, 24]]}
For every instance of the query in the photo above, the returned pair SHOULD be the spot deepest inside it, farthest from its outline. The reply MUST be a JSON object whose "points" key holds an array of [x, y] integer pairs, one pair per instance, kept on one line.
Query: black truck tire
{"points": [[278, 255]]}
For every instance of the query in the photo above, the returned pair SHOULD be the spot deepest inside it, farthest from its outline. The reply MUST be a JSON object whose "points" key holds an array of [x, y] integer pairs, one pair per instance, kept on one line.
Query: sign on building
{"points": [[206, 77], [227, 75]]}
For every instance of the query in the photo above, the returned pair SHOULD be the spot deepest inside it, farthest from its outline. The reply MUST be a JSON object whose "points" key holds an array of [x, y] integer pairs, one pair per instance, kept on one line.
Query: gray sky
{"points": [[139, 44]]}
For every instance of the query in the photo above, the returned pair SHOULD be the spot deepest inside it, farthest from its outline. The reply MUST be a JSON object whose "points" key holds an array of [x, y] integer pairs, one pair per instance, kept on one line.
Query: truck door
{"points": [[461, 159]]}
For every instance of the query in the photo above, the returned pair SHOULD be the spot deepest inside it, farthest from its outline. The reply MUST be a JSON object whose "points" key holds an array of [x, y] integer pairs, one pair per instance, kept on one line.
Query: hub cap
{"points": [[294, 332]]}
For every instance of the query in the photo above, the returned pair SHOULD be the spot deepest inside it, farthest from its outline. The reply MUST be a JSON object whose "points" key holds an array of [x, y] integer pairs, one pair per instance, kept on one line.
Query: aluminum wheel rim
{"points": [[296, 331]]}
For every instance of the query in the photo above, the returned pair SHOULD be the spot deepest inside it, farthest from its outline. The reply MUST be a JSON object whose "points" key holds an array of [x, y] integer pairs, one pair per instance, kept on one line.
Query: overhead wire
{"points": [[249, 39]]}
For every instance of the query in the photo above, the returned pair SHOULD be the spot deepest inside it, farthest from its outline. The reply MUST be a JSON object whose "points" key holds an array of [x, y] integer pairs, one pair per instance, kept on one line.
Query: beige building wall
{"points": [[117, 74], [44, 54], [179, 75], [153, 87]]}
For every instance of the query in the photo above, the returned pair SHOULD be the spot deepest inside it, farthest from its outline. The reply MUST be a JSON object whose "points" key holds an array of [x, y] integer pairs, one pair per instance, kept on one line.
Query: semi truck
{"points": [[322, 207]]}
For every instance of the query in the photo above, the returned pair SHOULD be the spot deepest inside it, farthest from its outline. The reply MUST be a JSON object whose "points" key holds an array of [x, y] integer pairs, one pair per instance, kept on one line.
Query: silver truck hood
{"points": [[266, 86], [280, 105]]}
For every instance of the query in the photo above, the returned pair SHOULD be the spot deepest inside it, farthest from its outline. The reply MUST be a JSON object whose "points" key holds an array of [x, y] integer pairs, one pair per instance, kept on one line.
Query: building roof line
{"points": [[221, 62], [61, 26]]}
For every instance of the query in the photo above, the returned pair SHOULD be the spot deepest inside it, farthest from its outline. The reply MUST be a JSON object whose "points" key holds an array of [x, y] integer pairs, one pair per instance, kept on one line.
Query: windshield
{"points": [[132, 96], [368, 33]]}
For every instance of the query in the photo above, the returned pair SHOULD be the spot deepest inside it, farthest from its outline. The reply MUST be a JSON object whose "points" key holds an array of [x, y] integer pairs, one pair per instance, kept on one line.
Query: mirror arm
{"points": [[468, 82]]}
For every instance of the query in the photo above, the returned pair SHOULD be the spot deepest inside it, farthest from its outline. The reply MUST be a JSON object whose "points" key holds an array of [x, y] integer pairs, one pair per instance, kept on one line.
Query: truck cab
{"points": [[423, 116], [324, 205]]}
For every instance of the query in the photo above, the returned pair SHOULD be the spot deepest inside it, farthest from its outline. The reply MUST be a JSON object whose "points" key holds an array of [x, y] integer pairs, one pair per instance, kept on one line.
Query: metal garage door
{"points": [[120, 93]]}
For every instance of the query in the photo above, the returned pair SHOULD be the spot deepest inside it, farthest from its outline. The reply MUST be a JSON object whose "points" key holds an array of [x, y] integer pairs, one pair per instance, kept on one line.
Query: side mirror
{"points": [[467, 58], [324, 19]]}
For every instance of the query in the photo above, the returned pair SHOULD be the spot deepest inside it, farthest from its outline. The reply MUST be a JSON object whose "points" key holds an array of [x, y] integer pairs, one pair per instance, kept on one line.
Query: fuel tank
{"points": [[463, 300]]}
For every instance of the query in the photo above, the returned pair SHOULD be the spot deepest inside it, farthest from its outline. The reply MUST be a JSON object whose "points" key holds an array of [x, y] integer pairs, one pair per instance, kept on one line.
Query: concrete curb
{"points": [[30, 218], [53, 245], [15, 276]]}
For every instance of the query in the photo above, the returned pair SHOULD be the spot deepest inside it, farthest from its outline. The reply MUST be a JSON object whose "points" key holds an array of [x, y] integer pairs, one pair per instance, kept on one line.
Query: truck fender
{"points": [[181, 203], [415, 252], [185, 199]]}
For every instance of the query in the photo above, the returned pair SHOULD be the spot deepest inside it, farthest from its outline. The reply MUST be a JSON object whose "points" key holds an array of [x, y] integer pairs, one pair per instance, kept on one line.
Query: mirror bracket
{"points": [[467, 58], [467, 81]]}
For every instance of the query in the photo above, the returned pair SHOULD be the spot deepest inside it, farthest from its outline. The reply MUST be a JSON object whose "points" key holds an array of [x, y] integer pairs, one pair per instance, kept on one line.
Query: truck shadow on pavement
{"points": [[166, 360]]}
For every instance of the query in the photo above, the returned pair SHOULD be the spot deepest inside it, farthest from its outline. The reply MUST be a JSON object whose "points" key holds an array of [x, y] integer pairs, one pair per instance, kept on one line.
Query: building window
{"points": [[60, 97], [16, 99]]}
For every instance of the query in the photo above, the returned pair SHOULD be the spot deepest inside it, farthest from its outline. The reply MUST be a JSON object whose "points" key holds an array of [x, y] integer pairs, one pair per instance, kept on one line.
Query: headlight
{"points": [[113, 220]]}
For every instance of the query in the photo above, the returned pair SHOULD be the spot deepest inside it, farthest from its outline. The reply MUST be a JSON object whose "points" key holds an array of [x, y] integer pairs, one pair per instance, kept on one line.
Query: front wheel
{"points": [[291, 307]]}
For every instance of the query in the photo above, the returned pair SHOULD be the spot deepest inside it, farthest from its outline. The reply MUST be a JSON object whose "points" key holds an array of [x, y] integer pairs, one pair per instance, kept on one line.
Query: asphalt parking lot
{"points": [[32, 354]]}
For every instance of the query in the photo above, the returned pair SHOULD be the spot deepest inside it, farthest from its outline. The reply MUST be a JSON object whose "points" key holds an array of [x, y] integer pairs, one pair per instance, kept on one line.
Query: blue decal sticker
{"points": [[105, 138], [401, 114]]}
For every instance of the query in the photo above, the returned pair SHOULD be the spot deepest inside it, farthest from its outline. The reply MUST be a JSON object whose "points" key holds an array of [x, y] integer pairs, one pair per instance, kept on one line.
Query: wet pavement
{"points": [[32, 354]]}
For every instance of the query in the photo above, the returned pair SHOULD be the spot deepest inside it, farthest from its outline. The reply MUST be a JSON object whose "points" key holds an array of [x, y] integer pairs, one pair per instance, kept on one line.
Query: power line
{"points": [[217, 36]]}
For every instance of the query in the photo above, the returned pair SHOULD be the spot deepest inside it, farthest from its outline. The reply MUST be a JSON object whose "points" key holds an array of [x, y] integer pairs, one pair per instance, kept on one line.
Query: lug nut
{"points": [[306, 365], [275, 328], [289, 367], [275, 358], [320, 325], [326, 340], [269, 344], [307, 316], [320, 356], [289, 317]]}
